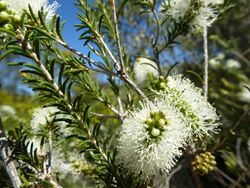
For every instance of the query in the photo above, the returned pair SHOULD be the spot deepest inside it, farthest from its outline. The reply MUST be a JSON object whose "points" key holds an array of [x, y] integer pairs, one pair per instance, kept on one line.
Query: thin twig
{"points": [[33, 55], [177, 169], [241, 57], [103, 115], [113, 109], [120, 104], [117, 36], [116, 64], [158, 28], [123, 76], [44, 174], [238, 154], [219, 179], [229, 132], [240, 179], [205, 47], [50, 152], [8, 164], [119, 67], [155, 43], [119, 49], [88, 59], [25, 164], [231, 180]]}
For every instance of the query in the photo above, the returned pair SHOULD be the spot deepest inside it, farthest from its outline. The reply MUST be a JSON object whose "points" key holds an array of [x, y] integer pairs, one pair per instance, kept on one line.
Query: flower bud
{"points": [[203, 163], [162, 122], [161, 78], [4, 17], [162, 85], [16, 19], [149, 121], [155, 132], [11, 11]]}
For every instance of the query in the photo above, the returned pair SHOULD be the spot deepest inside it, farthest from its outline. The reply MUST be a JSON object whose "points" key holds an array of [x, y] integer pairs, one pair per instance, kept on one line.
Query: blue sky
{"points": [[68, 12]]}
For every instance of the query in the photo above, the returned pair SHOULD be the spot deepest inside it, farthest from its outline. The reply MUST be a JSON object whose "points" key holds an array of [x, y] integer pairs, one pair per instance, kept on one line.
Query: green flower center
{"points": [[186, 109], [157, 84], [156, 124], [161, 84]]}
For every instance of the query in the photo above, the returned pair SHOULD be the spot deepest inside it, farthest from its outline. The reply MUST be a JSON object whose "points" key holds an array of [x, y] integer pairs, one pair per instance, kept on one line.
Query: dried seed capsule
{"points": [[203, 163]]}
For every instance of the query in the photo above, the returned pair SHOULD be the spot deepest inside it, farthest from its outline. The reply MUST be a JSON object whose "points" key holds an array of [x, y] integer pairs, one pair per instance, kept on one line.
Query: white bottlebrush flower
{"points": [[233, 64], [50, 9], [6, 110], [35, 142], [59, 164], [214, 62], [220, 56], [151, 139], [43, 117], [144, 67], [20, 5], [200, 114], [206, 15], [212, 2], [244, 95], [177, 8]]}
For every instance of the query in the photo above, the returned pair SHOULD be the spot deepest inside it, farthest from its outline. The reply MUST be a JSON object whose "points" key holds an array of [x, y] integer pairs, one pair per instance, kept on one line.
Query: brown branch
{"points": [[240, 179], [231, 131], [118, 42], [8, 164]]}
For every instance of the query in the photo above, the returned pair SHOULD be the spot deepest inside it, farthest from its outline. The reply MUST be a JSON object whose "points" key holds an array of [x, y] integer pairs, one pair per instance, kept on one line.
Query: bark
{"points": [[5, 154]]}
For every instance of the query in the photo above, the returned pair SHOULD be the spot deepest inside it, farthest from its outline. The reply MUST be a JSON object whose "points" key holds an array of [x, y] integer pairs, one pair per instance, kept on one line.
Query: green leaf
{"points": [[59, 28], [45, 33], [196, 75], [32, 15], [37, 48], [38, 88], [100, 24], [2, 56], [60, 77], [171, 68], [32, 72], [3, 30], [41, 17], [96, 129], [86, 114], [31, 66]]}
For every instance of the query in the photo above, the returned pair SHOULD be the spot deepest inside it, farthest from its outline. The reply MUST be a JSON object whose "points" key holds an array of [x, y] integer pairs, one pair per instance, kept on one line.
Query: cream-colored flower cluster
{"points": [[154, 136], [204, 11], [19, 6], [143, 68], [200, 114]]}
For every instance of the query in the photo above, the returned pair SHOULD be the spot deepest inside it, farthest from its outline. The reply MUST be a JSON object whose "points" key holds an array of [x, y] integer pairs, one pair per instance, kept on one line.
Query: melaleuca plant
{"points": [[127, 129]]}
